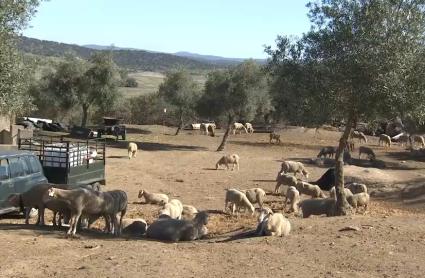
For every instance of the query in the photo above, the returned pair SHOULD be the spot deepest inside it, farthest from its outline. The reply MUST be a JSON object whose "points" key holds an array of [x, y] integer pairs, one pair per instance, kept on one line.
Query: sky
{"points": [[228, 28]]}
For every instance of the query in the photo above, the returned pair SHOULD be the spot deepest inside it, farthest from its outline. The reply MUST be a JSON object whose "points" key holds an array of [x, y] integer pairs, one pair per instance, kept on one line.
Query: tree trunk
{"points": [[226, 134], [180, 124], [85, 115], [342, 207]]}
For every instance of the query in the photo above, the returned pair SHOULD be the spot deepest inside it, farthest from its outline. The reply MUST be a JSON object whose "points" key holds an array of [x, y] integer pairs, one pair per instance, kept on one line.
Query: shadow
{"points": [[283, 144], [407, 155], [138, 130], [216, 211], [238, 236], [117, 156], [151, 146], [410, 193], [213, 169], [264, 180]]}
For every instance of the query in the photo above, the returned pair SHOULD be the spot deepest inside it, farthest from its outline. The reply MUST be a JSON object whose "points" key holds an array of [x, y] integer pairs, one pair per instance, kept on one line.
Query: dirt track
{"points": [[390, 242]]}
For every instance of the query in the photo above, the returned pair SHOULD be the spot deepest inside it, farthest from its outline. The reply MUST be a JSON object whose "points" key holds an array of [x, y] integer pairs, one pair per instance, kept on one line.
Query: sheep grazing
{"points": [[359, 200], [274, 136], [359, 135], [367, 151], [403, 139], [355, 187], [293, 195], [132, 150], [249, 128], [327, 180], [349, 146], [309, 189], [153, 198], [332, 192], [237, 127], [417, 139], [255, 195], [172, 209], [385, 140], [237, 200], [189, 211], [179, 230], [317, 207], [293, 167], [272, 224], [327, 152], [134, 227], [232, 159], [284, 179]]}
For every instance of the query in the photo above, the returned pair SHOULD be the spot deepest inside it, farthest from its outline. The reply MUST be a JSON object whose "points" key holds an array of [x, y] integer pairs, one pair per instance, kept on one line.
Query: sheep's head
{"points": [[264, 214], [51, 192], [201, 218], [141, 193]]}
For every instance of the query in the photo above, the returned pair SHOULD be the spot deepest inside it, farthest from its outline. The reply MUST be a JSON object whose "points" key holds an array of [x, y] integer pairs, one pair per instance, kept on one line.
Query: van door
{"points": [[6, 186], [17, 175], [34, 166]]}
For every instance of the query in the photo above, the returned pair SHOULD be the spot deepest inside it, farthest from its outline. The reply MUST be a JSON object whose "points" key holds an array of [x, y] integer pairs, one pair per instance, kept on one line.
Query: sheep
{"points": [[349, 146], [327, 180], [355, 187], [228, 159], [249, 128], [332, 192], [172, 209], [134, 227], [211, 130], [179, 230], [403, 139], [153, 198], [272, 224], [359, 199], [189, 211], [204, 128], [237, 200], [309, 189], [327, 152], [359, 135], [255, 195], [284, 179], [293, 195], [417, 139], [119, 204], [238, 127], [293, 167], [132, 150], [385, 140], [317, 207], [274, 136], [368, 151]]}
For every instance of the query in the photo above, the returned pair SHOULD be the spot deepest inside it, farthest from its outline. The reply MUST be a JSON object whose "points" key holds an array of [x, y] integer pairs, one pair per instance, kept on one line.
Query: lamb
{"points": [[249, 128], [237, 200], [272, 224], [332, 192], [238, 127], [255, 195], [355, 187], [284, 179], [274, 136], [179, 230], [359, 200], [132, 150], [293, 195], [327, 152], [189, 211], [317, 207], [309, 189], [293, 167], [368, 151], [359, 135], [134, 227], [385, 140], [417, 139], [228, 159], [153, 198], [327, 180], [172, 209]]}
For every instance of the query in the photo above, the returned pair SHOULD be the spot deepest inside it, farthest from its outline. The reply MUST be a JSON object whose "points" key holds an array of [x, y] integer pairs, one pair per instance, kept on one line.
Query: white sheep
{"points": [[359, 200], [418, 139], [132, 150], [255, 195], [238, 127], [249, 128], [284, 179], [355, 187], [232, 159], [272, 224], [189, 211], [309, 189], [293, 195], [237, 200], [332, 192], [317, 207], [173, 209], [385, 140], [153, 198], [293, 167]]}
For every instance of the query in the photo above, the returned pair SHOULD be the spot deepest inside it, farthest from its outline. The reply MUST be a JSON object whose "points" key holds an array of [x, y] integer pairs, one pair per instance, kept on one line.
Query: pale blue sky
{"points": [[229, 28]]}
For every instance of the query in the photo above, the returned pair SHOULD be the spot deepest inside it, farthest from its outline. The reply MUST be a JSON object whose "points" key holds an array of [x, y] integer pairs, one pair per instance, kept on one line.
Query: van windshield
{"points": [[4, 169]]}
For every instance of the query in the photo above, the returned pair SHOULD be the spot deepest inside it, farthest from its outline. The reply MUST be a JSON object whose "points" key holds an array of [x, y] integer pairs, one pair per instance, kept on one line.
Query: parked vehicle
{"points": [[112, 126]]}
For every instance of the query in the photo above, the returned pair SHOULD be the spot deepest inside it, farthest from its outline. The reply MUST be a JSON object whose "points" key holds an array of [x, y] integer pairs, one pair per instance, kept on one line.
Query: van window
{"points": [[4, 169], [33, 164], [16, 167]]}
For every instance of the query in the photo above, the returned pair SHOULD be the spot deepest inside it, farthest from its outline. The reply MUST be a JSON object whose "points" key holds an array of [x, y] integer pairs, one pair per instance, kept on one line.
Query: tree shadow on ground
{"points": [[266, 144], [151, 146], [407, 155], [410, 193], [134, 130]]}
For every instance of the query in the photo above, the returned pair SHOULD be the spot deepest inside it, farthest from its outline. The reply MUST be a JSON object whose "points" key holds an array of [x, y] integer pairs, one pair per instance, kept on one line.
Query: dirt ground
{"points": [[389, 242]]}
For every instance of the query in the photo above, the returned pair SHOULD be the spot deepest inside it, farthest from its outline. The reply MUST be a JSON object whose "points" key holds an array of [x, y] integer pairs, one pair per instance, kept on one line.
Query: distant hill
{"points": [[215, 59], [130, 59]]}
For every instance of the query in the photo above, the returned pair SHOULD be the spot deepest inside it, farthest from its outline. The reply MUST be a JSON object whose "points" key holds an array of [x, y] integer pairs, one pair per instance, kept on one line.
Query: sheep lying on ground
{"points": [[359, 200], [293, 167], [249, 128], [417, 139], [172, 209], [237, 200], [255, 195], [327, 152], [132, 150], [153, 198], [385, 140], [189, 211], [327, 180], [367, 151], [293, 195], [317, 207], [237, 127], [355, 187], [274, 136], [359, 135], [179, 230], [332, 192], [272, 224], [134, 227], [232, 159], [309, 189], [284, 179]]}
